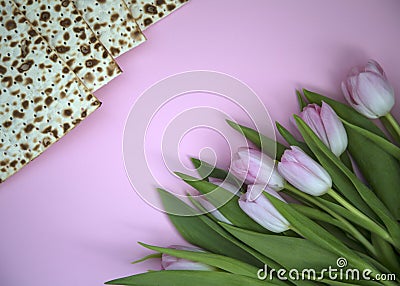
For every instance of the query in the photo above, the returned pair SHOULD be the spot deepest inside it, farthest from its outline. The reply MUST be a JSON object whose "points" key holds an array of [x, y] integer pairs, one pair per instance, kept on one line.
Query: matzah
{"points": [[61, 24], [41, 98], [148, 12], [113, 24]]}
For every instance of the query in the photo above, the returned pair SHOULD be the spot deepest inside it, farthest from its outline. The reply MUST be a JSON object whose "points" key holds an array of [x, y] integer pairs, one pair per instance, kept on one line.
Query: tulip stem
{"points": [[379, 230], [347, 225], [392, 126]]}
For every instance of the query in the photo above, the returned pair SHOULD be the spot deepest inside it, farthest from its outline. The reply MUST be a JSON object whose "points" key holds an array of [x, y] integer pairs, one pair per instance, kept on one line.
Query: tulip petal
{"points": [[377, 94], [276, 181], [335, 130], [254, 191], [351, 94], [262, 217], [183, 264], [265, 203], [303, 179], [311, 116], [373, 66], [239, 169], [308, 163], [256, 168], [346, 93], [169, 262]]}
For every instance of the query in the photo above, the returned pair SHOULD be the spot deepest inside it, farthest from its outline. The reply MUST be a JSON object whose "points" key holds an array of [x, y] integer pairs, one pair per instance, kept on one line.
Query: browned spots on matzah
{"points": [[112, 22], [40, 97], [67, 32], [148, 12]]}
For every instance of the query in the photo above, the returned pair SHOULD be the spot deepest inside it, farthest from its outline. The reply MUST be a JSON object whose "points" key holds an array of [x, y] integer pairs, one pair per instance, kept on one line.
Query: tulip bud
{"points": [[169, 262], [261, 210], [304, 173], [327, 126], [254, 167], [209, 207], [368, 91]]}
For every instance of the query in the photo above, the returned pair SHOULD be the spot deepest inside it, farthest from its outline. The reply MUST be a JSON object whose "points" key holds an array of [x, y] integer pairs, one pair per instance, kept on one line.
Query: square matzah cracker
{"points": [[113, 24], [148, 12], [41, 99], [61, 24]]}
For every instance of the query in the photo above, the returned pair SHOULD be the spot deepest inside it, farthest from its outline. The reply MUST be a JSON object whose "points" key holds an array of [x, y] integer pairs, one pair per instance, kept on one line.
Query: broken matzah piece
{"points": [[41, 98], [61, 24], [148, 12], [113, 24]]}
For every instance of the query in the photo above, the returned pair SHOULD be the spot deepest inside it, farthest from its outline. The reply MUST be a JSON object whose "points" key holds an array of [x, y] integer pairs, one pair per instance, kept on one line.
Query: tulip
{"points": [[209, 207], [254, 167], [368, 91], [261, 210], [169, 262], [327, 126], [304, 173]]}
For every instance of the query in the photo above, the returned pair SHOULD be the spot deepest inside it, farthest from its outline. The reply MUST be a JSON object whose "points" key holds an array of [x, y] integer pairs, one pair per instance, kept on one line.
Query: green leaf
{"points": [[344, 111], [287, 251], [386, 123], [219, 261], [345, 158], [377, 264], [318, 235], [205, 233], [229, 203], [383, 143], [381, 170], [331, 162], [344, 237], [347, 214], [300, 99], [267, 145], [185, 278], [151, 256], [209, 235], [206, 170], [316, 214], [289, 138], [387, 254], [330, 220]]}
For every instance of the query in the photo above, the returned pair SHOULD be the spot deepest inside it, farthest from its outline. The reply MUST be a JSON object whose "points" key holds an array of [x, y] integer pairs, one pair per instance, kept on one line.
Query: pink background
{"points": [[72, 218]]}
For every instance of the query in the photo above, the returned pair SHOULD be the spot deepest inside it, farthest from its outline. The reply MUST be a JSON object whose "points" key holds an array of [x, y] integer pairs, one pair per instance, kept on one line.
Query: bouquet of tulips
{"points": [[322, 209]]}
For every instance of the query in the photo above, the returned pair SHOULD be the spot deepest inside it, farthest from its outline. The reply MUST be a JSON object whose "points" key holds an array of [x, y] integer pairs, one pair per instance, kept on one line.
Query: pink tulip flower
{"points": [[368, 91], [261, 210], [254, 167], [304, 173], [327, 126]]}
